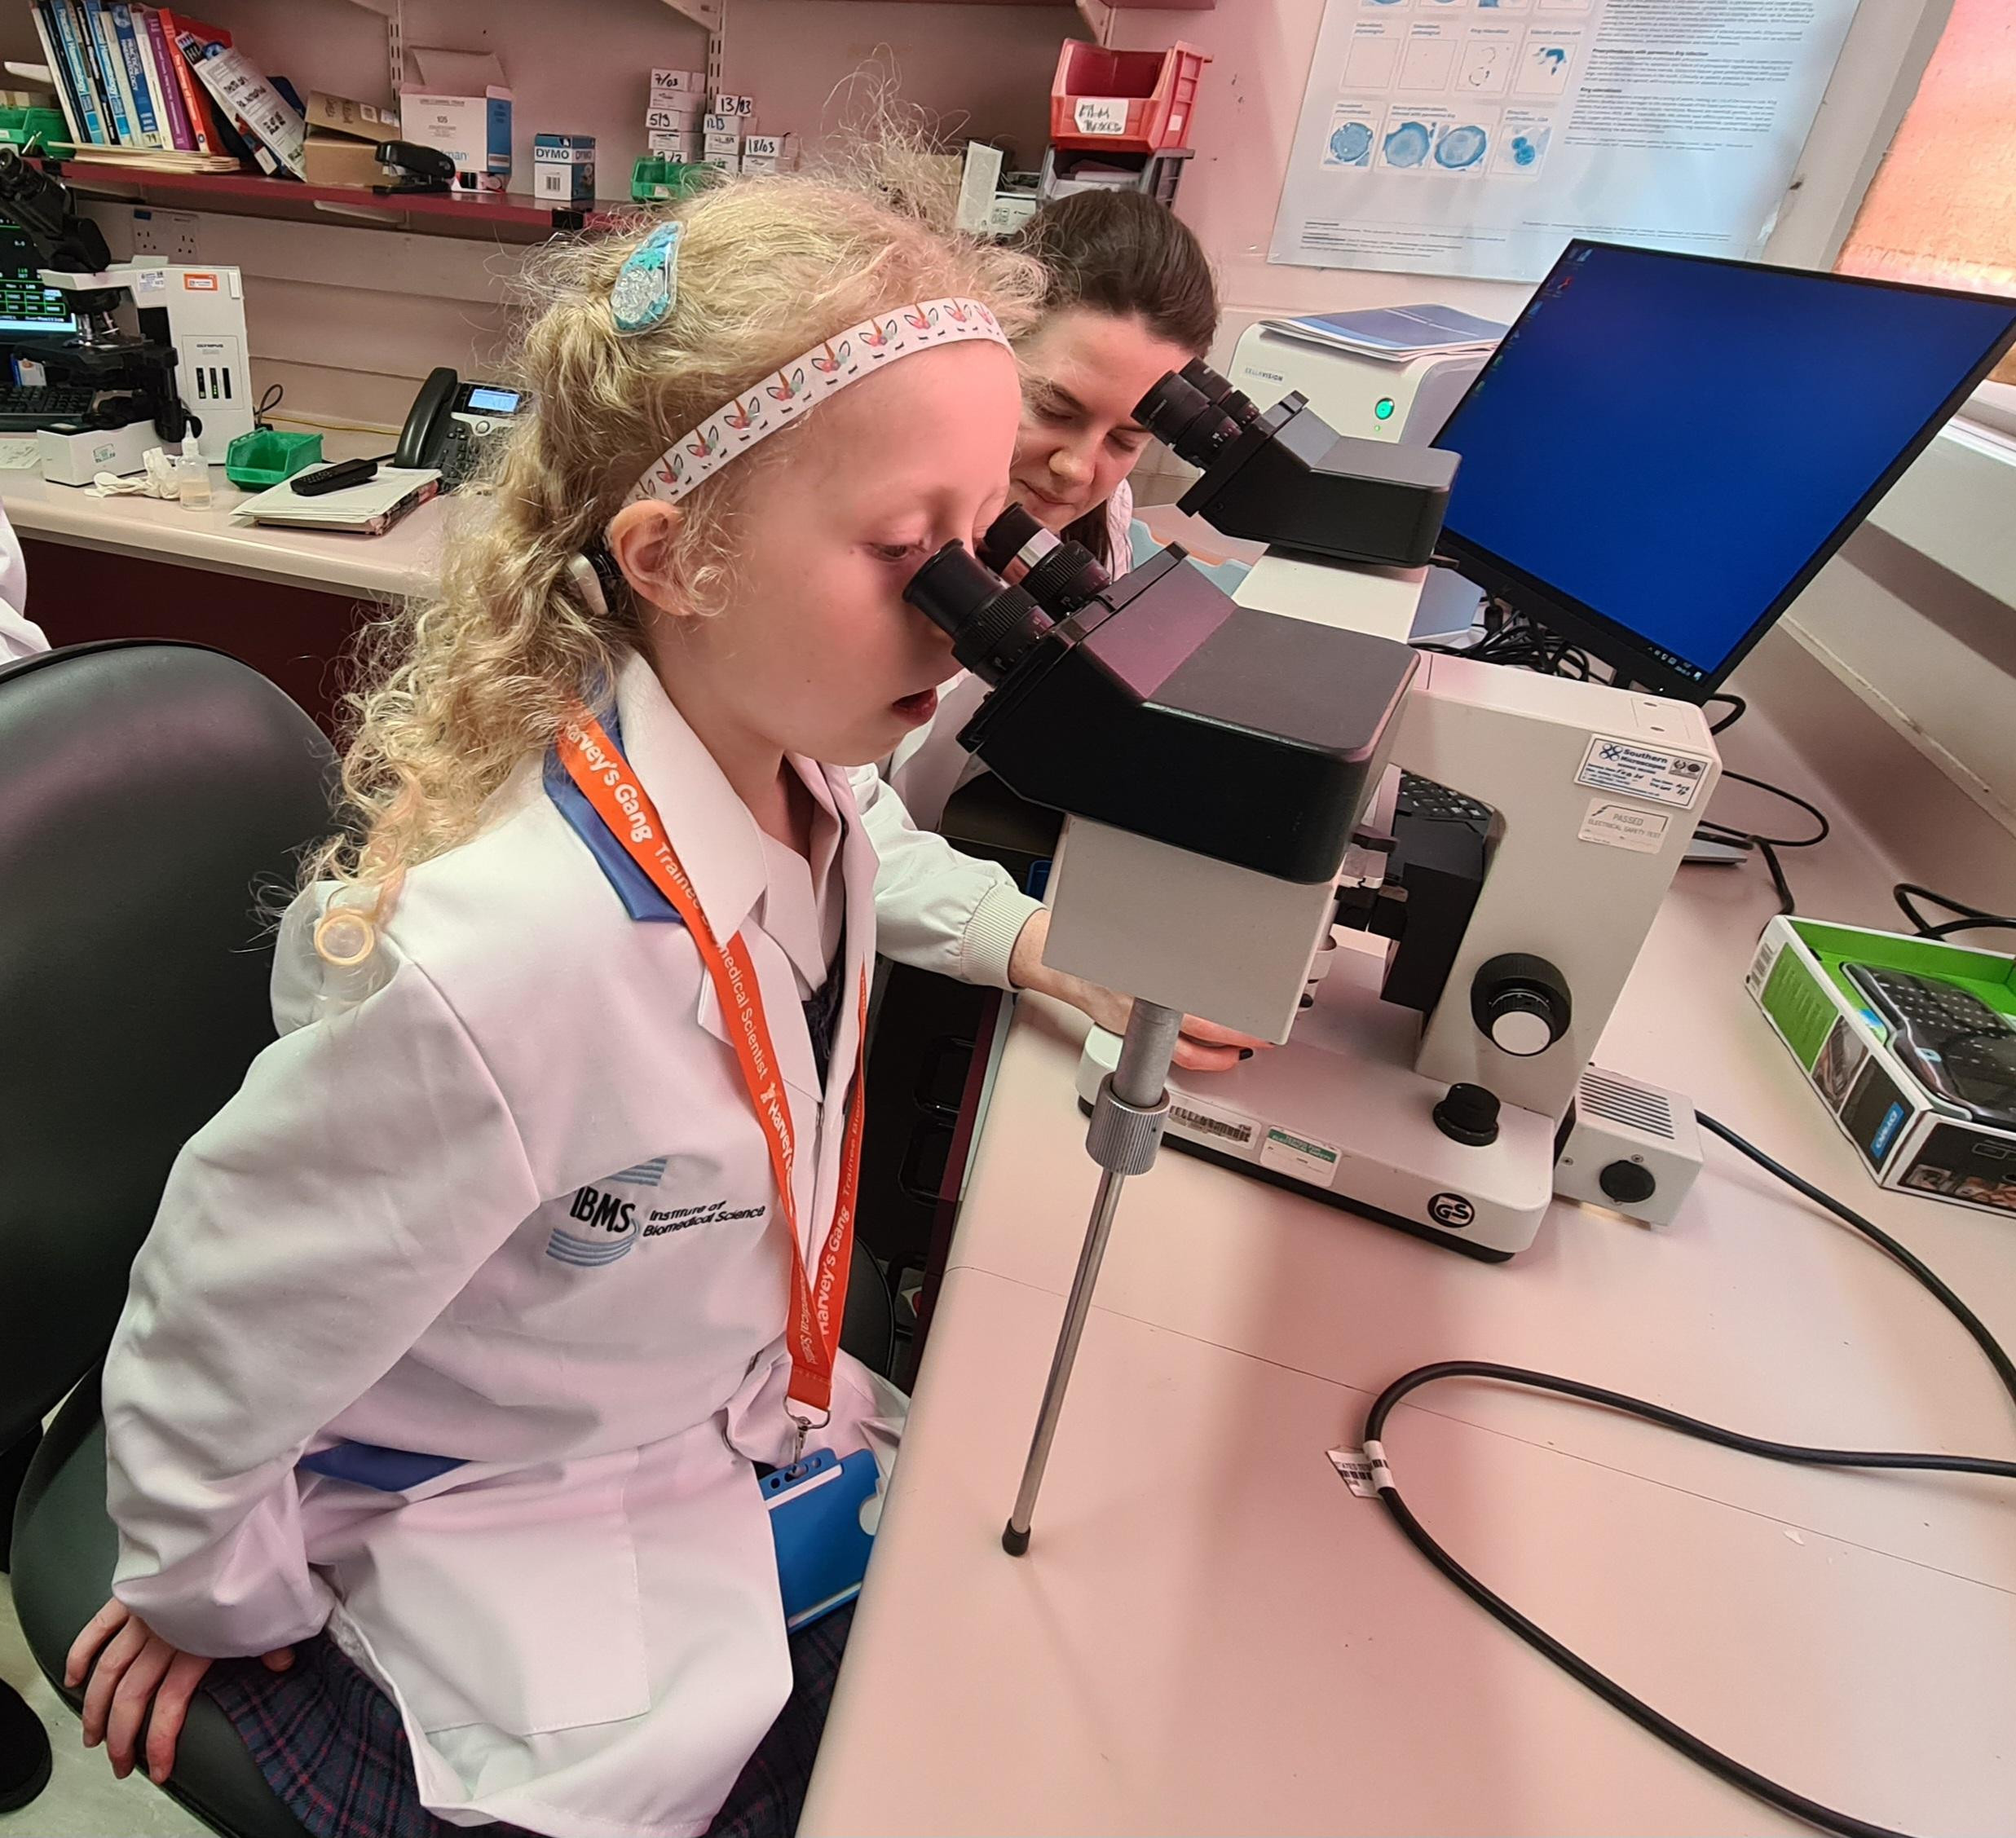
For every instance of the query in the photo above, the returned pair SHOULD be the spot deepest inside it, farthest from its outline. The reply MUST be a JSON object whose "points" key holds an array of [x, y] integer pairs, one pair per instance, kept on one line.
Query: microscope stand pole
{"points": [[1126, 1130]]}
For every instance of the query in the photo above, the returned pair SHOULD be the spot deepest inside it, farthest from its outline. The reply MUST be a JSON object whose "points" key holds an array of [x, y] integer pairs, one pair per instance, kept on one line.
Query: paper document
{"points": [[20, 452], [1475, 137], [371, 507]]}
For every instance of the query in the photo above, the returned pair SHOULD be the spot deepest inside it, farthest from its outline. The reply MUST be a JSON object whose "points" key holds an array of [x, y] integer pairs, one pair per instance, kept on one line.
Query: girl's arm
{"points": [[308, 1236], [934, 907]]}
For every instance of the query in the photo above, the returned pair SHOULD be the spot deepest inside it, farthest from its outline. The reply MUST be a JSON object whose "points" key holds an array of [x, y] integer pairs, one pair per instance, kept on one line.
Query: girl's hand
{"points": [[137, 1669], [1203, 1047]]}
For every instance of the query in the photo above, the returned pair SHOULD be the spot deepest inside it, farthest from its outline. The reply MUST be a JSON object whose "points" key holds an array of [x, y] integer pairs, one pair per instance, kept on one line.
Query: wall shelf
{"points": [[514, 217]]}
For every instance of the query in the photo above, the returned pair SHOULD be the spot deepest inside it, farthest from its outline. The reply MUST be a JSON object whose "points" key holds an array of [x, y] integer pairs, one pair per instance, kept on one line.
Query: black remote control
{"points": [[1956, 1044], [333, 478]]}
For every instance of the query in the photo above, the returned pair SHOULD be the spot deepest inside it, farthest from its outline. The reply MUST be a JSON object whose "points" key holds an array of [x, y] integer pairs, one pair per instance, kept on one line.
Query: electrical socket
{"points": [[169, 234]]}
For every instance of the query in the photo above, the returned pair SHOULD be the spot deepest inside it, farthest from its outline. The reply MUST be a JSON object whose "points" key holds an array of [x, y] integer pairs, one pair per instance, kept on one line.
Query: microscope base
{"points": [[1435, 1235], [1340, 1113]]}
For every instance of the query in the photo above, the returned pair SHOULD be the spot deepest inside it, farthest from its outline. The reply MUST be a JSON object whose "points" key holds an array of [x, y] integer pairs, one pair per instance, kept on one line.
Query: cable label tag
{"points": [[1359, 1472], [1657, 774]]}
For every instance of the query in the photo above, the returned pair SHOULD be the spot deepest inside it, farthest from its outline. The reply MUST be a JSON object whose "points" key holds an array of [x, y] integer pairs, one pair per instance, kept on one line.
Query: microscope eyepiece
{"points": [[1186, 421], [1059, 576], [1221, 394], [1005, 540], [991, 626]]}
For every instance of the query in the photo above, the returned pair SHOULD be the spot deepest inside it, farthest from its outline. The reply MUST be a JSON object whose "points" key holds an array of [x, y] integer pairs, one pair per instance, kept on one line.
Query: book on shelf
{"points": [[265, 120], [147, 131], [52, 51], [161, 62], [204, 126], [111, 71], [125, 84], [83, 73]]}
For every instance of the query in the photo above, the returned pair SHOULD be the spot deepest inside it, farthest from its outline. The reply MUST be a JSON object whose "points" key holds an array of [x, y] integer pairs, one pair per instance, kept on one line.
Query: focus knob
{"points": [[1468, 1114], [1627, 1183], [1520, 1004]]}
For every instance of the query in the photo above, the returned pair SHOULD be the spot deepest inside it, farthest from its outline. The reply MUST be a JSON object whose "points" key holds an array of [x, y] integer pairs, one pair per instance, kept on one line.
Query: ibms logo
{"points": [[606, 1212], [607, 1230]]}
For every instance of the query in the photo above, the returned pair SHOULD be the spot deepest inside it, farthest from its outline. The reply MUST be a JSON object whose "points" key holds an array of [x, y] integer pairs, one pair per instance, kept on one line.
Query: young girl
{"points": [[466, 1325]]}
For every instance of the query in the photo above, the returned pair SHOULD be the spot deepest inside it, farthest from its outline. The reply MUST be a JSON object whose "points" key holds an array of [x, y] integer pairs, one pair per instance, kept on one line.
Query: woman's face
{"points": [[1083, 373]]}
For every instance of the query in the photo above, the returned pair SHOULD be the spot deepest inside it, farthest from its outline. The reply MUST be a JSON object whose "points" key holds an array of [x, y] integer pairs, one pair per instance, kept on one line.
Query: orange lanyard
{"points": [[817, 1301]]}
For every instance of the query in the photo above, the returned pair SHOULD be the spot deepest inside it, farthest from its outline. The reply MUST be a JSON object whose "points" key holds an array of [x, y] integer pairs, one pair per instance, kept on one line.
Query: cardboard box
{"points": [[723, 162], [459, 103], [771, 147], [742, 105], [681, 81], [673, 120], [723, 124], [335, 160], [682, 147], [360, 121], [729, 145], [1909, 1137], [563, 168]]}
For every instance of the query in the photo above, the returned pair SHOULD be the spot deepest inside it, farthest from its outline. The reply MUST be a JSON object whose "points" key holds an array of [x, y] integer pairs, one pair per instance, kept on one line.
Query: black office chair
{"points": [[148, 792]]}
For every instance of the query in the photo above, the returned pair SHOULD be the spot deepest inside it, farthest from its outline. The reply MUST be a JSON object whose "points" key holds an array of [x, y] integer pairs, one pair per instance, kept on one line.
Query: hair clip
{"points": [[344, 938], [648, 284]]}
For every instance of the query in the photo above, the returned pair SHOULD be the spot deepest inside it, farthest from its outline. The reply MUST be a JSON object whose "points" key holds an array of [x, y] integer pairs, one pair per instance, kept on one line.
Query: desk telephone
{"points": [[450, 422]]}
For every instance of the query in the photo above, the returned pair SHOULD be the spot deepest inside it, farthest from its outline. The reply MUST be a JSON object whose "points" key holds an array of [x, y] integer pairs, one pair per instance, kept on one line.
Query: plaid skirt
{"points": [[331, 1745]]}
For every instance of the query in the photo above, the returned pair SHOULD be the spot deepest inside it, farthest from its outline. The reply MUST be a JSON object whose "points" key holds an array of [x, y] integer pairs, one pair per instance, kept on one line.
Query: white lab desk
{"points": [[1211, 1634]]}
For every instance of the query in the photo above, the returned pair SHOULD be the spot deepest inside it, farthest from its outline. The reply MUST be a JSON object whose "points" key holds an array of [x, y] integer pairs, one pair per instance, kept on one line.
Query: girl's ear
{"points": [[641, 538]]}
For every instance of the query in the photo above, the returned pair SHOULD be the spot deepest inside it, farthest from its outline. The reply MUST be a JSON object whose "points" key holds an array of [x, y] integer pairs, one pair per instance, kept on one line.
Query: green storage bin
{"points": [[655, 181], [266, 456], [38, 129]]}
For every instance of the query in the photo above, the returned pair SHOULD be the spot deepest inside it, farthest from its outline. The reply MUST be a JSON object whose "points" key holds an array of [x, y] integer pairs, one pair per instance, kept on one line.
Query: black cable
{"points": [[1767, 847], [1725, 1767], [1972, 918], [276, 393], [1738, 708]]}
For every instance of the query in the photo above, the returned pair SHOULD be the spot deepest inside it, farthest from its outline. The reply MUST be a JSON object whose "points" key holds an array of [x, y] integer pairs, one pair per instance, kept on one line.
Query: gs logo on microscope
{"points": [[1451, 1209]]}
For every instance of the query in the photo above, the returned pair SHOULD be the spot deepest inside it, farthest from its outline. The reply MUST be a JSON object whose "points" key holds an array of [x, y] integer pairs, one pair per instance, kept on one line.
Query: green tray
{"points": [[654, 180], [267, 457]]}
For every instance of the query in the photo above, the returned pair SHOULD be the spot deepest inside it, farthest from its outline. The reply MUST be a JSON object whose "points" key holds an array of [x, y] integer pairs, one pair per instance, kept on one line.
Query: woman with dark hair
{"points": [[1130, 298]]}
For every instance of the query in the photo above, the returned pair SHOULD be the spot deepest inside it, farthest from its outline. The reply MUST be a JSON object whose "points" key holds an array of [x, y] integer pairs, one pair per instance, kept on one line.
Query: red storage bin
{"points": [[1131, 102]]}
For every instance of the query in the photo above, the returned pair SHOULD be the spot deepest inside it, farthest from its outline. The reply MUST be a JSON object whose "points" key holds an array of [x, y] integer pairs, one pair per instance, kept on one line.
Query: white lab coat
{"points": [[19, 636], [499, 1197]]}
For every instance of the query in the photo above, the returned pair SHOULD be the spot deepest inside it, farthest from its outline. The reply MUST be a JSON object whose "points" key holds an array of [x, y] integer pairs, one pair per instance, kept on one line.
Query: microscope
{"points": [[136, 399], [1236, 848]]}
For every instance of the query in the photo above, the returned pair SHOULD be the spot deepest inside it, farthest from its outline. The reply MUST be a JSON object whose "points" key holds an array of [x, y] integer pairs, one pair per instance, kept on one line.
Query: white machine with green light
{"points": [[1392, 373]]}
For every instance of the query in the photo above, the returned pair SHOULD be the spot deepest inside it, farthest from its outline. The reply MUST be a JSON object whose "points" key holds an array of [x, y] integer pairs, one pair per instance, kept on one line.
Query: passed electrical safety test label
{"points": [[1657, 774], [1616, 825]]}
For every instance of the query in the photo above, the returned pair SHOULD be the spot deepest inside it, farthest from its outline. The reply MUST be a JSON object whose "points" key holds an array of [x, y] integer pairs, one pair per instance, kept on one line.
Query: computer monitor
{"points": [[1665, 448], [28, 308]]}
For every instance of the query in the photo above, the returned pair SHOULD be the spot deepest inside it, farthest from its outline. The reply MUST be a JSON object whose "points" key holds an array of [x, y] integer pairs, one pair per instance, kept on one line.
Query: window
{"points": [[1941, 209]]}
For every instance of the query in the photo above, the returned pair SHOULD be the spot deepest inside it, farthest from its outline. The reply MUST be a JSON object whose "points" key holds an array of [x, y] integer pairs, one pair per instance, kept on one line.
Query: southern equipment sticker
{"points": [[1655, 773]]}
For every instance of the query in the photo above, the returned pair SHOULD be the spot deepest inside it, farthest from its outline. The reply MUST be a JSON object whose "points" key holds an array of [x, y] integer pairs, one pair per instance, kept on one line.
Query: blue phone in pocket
{"points": [[814, 1509]]}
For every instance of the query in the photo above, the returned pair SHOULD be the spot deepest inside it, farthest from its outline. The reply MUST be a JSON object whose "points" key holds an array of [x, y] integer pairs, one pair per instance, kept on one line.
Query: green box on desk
{"points": [[1910, 1137]]}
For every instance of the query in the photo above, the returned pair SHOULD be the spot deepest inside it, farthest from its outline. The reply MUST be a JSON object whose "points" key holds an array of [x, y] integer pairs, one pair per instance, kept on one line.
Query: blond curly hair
{"points": [[458, 690]]}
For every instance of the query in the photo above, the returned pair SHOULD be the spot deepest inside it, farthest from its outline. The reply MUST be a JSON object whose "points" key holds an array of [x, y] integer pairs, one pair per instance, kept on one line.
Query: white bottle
{"points": [[192, 477]]}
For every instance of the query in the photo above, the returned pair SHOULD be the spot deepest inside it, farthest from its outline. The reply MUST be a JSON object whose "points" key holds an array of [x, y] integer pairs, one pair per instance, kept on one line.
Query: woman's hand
{"points": [[137, 1669], [1204, 1046]]}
